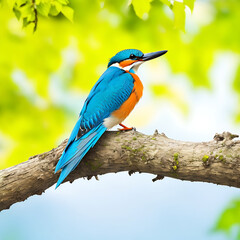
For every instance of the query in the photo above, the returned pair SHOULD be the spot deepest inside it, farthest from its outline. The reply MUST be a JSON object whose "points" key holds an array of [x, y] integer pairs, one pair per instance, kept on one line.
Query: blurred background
{"points": [[190, 93]]}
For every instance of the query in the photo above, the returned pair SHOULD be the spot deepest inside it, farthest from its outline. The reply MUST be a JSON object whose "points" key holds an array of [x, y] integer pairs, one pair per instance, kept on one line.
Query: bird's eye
{"points": [[132, 56]]}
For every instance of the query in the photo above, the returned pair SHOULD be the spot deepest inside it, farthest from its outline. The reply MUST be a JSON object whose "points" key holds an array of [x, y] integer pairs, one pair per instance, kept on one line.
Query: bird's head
{"points": [[132, 58]]}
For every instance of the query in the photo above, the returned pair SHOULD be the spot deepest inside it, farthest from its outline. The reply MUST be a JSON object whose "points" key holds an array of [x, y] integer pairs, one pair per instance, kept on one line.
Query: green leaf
{"points": [[68, 12], [54, 11], [189, 3], [44, 8], [25, 22], [31, 17], [229, 218], [26, 10], [63, 2], [17, 13], [179, 15], [166, 2], [21, 2], [141, 7], [58, 6]]}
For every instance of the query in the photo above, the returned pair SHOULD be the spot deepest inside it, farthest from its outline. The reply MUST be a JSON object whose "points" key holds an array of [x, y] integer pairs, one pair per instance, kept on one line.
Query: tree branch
{"points": [[217, 161]]}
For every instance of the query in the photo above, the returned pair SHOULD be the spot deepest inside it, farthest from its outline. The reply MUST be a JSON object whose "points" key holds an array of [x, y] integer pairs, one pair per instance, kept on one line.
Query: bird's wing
{"points": [[100, 94], [108, 94]]}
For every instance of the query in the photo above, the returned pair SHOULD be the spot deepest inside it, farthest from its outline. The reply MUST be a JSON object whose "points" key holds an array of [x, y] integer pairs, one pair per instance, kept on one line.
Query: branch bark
{"points": [[216, 161]]}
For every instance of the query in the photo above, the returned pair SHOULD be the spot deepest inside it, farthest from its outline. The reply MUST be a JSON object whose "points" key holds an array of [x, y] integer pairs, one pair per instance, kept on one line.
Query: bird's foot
{"points": [[125, 128]]}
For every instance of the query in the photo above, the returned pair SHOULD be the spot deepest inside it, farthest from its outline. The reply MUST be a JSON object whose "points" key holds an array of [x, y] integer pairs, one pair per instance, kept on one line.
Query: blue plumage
{"points": [[125, 54], [111, 90], [77, 150]]}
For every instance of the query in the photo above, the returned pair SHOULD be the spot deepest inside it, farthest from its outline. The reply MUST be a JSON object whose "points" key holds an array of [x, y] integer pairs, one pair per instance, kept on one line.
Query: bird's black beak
{"points": [[149, 56]]}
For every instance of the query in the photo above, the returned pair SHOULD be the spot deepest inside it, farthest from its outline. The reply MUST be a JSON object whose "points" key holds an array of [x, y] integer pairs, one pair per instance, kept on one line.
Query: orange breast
{"points": [[130, 103]]}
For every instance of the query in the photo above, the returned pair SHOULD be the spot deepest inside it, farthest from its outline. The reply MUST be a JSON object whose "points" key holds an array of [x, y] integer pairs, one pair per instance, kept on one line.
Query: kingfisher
{"points": [[109, 102]]}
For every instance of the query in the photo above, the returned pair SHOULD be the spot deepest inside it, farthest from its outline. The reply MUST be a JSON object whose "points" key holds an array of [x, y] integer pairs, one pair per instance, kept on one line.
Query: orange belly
{"points": [[130, 103]]}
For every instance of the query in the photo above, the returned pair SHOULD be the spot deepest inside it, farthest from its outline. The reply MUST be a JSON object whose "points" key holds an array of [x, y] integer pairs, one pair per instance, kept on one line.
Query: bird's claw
{"points": [[125, 128]]}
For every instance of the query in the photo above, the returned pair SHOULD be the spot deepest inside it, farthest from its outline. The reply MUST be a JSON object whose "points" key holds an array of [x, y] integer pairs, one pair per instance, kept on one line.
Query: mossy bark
{"points": [[216, 161]]}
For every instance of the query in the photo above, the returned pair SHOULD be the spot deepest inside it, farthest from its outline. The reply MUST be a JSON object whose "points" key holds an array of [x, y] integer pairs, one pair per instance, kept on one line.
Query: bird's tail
{"points": [[74, 153]]}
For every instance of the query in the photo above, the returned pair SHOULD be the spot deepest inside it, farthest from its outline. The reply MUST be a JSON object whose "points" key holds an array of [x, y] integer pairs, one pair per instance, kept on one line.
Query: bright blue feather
{"points": [[78, 150], [108, 94]]}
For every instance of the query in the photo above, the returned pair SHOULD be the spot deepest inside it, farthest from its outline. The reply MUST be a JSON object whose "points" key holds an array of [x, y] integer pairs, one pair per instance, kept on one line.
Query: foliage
{"points": [[229, 221], [46, 75], [27, 10]]}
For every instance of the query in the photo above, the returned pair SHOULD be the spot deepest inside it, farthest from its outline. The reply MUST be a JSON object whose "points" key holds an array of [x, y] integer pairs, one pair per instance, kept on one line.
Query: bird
{"points": [[109, 102]]}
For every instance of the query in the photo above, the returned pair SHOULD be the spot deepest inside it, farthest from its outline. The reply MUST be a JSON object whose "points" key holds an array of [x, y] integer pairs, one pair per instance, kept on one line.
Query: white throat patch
{"points": [[133, 66]]}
